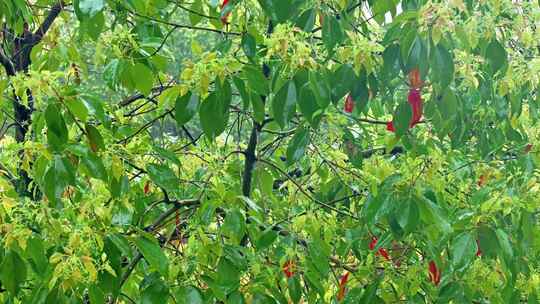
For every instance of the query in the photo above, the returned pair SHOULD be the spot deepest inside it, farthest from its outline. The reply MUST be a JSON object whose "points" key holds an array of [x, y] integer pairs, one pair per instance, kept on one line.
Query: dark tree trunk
{"points": [[18, 61]]}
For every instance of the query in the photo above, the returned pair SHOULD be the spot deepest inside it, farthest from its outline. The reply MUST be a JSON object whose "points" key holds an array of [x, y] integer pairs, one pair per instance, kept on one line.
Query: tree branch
{"points": [[6, 63], [45, 26]]}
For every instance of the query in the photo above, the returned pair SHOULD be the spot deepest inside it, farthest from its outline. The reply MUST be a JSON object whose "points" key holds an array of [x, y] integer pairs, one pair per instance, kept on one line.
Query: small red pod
{"points": [[349, 104], [373, 243], [478, 250], [288, 269], [384, 253], [390, 126], [481, 180], [226, 16], [381, 251], [342, 286], [434, 273]]}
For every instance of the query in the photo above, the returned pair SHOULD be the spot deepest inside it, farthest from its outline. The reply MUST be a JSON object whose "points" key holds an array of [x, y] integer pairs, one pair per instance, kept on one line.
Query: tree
{"points": [[161, 151]]}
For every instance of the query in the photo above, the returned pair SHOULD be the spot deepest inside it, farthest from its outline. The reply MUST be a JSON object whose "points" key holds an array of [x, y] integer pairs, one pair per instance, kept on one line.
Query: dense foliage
{"points": [[269, 151]]}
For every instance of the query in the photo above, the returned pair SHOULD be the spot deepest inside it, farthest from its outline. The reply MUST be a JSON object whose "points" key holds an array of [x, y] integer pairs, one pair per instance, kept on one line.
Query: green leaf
{"points": [[152, 253], [284, 104], [36, 251], [240, 86], [380, 7], [319, 254], [214, 115], [164, 177], [189, 295], [392, 61], [156, 292], [504, 243], [297, 145], [380, 205], [143, 78], [228, 276], [448, 105], [185, 108], [342, 80], [91, 7], [402, 118], [266, 239], [94, 138], [281, 10], [249, 45], [433, 214], [408, 215], [332, 33], [234, 225], [12, 272], [306, 20], [167, 155], [95, 166], [57, 133], [93, 26], [78, 108], [255, 79], [442, 65], [96, 295], [463, 250], [258, 107], [360, 93], [320, 89], [496, 56], [112, 74], [295, 289], [197, 10], [416, 53], [308, 106]]}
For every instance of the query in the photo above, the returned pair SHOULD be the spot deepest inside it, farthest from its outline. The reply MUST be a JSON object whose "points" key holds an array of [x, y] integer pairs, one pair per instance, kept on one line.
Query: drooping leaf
{"points": [[57, 133], [94, 138], [332, 33], [185, 108], [496, 56], [164, 177], [284, 104], [442, 65], [13, 272], [297, 145], [463, 250], [152, 253]]}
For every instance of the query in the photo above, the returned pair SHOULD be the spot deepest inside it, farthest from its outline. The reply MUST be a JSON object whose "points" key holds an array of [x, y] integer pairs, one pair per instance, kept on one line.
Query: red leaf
{"points": [[147, 187], [434, 273], [288, 268], [528, 148], [481, 180], [349, 104], [342, 285], [415, 80], [417, 107], [415, 100]]}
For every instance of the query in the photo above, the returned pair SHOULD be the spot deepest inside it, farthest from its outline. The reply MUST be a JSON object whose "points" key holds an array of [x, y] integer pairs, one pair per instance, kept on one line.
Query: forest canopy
{"points": [[269, 151]]}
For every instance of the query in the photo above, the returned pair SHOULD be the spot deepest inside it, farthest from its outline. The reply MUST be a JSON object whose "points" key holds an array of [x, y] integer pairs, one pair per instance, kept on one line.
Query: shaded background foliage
{"points": [[269, 151]]}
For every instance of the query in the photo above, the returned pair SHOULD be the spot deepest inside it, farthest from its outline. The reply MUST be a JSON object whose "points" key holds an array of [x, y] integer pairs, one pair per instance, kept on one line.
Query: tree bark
{"points": [[16, 62]]}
